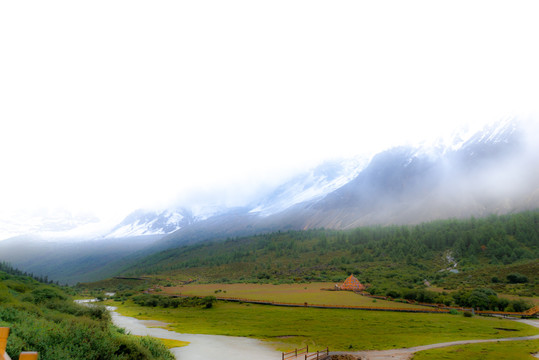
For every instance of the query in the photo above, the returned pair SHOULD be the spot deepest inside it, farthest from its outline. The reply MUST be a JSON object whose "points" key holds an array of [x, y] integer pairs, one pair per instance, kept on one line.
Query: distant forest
{"points": [[9, 269], [421, 251]]}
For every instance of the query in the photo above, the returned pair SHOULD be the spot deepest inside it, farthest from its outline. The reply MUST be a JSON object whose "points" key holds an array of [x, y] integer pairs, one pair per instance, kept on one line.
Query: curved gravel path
{"points": [[408, 353]]}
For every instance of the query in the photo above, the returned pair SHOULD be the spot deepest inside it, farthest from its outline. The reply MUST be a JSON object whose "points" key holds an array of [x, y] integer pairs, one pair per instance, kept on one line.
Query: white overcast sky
{"points": [[106, 106]]}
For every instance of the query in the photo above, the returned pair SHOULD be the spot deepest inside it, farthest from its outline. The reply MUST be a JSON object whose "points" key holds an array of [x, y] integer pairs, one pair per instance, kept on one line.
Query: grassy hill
{"points": [[449, 254], [43, 317]]}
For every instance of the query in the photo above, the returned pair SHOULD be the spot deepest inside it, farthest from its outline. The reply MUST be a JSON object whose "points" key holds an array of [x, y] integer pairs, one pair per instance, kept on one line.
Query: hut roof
{"points": [[351, 283]]}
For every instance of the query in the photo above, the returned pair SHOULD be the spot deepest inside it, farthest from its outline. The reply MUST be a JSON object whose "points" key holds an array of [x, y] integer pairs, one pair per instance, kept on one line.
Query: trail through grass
{"points": [[514, 350]]}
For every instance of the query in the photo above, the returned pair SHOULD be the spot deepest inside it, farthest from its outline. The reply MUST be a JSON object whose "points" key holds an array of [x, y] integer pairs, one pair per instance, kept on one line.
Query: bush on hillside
{"points": [[486, 299], [517, 278]]}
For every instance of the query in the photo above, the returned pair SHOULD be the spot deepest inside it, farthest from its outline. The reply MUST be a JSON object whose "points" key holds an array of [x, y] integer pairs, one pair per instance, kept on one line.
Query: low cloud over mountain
{"points": [[493, 171]]}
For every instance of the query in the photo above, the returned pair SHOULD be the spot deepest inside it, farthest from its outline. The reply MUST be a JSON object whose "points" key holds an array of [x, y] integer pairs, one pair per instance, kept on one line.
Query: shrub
{"points": [[517, 278], [44, 294], [393, 294], [520, 305]]}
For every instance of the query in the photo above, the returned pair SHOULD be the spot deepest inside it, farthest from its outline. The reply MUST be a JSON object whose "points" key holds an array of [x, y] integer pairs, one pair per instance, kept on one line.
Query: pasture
{"points": [[310, 293]]}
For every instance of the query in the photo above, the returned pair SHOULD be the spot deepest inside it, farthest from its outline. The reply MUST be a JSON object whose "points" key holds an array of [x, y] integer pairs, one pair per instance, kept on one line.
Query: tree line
{"points": [[498, 239]]}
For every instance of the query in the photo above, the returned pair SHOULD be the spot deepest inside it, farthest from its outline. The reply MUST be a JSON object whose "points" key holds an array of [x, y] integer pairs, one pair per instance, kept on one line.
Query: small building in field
{"points": [[351, 283]]}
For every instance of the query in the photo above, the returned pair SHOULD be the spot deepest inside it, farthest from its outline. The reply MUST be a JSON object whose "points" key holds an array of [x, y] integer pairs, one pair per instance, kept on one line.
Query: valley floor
{"points": [[240, 348]]}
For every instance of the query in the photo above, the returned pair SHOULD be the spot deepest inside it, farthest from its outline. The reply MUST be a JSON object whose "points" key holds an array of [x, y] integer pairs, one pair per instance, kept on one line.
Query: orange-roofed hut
{"points": [[351, 283]]}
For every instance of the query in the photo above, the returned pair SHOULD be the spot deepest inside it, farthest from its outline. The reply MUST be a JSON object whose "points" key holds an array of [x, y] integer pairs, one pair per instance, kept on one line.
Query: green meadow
{"points": [[514, 350], [337, 329]]}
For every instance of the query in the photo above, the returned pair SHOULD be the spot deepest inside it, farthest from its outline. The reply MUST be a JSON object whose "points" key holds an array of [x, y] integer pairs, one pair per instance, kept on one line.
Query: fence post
{"points": [[4, 333], [28, 355]]}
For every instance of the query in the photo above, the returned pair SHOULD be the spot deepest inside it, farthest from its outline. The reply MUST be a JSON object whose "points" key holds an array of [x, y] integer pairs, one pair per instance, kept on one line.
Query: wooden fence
{"points": [[294, 354], [25, 355], [319, 355], [303, 353]]}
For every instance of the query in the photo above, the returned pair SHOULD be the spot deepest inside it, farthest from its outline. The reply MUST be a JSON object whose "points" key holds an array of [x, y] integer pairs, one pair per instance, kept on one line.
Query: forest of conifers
{"points": [[421, 251]]}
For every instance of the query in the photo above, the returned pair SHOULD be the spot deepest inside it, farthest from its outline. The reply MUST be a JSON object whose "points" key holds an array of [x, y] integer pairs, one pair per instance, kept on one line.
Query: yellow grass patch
{"points": [[311, 293], [173, 343], [169, 343]]}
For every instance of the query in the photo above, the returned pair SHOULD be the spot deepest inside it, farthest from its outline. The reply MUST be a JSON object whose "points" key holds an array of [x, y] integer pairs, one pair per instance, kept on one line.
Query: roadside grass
{"points": [[515, 350], [338, 329], [311, 293]]}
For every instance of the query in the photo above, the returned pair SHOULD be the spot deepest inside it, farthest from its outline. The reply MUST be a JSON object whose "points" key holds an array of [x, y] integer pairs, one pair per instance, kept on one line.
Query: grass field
{"points": [[514, 350], [310, 293], [339, 329]]}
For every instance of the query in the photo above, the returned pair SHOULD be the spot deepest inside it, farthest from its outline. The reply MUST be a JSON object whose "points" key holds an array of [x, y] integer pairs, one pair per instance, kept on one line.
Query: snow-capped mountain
{"points": [[494, 170], [140, 223], [311, 185]]}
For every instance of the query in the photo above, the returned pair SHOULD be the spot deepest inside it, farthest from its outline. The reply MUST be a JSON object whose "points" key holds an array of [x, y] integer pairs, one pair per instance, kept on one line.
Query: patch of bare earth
{"points": [[396, 354], [342, 357]]}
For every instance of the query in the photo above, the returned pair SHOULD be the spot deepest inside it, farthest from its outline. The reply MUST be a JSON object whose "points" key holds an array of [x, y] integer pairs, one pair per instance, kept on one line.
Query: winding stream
{"points": [[201, 347]]}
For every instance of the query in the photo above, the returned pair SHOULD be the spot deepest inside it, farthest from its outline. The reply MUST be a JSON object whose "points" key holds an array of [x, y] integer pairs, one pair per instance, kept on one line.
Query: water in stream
{"points": [[201, 347]]}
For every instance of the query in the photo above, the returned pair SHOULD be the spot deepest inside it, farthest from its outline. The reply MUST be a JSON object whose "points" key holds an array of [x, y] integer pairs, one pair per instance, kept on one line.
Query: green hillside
{"points": [[497, 251], [43, 317]]}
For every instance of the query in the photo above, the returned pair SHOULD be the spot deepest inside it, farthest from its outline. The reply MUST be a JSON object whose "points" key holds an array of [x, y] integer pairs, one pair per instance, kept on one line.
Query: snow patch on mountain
{"points": [[494, 133], [174, 218], [314, 184], [136, 229], [141, 223]]}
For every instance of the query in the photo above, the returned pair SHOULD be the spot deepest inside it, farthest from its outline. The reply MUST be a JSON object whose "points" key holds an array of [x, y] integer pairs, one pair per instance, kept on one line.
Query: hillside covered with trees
{"points": [[500, 252]]}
